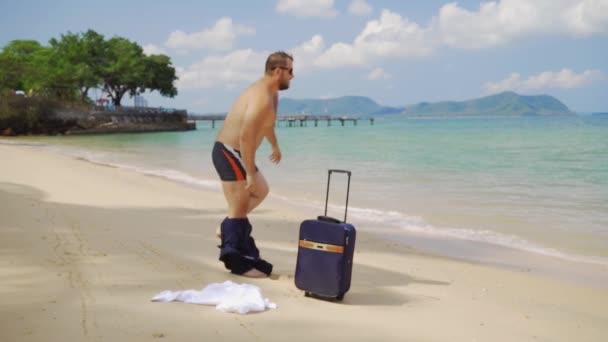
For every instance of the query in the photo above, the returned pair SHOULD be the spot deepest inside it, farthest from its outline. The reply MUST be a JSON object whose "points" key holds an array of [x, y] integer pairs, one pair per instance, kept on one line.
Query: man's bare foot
{"points": [[254, 273]]}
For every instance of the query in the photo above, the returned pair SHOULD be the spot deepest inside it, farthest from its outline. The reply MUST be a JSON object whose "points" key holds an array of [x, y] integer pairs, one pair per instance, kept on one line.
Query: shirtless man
{"points": [[250, 120]]}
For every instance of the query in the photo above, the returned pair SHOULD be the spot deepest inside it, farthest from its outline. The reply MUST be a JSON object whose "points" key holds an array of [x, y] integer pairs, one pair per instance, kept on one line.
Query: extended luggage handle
{"points": [[329, 172]]}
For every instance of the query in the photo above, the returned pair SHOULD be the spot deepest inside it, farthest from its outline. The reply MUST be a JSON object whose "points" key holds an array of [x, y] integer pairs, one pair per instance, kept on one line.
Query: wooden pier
{"points": [[291, 120]]}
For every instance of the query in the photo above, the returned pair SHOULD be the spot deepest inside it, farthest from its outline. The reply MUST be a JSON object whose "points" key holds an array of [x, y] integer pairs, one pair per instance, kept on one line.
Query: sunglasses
{"points": [[288, 69]]}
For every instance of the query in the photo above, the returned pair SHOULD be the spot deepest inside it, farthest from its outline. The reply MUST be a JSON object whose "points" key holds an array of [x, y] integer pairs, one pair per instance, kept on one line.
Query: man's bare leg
{"points": [[255, 198], [254, 273], [240, 203]]}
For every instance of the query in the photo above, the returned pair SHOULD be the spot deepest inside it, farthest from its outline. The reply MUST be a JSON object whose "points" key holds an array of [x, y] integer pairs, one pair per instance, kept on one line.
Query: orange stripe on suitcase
{"points": [[321, 246]]}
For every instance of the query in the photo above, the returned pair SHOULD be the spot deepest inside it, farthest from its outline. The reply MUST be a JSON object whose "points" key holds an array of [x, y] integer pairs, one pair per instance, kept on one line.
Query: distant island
{"points": [[505, 104], [498, 105], [345, 105]]}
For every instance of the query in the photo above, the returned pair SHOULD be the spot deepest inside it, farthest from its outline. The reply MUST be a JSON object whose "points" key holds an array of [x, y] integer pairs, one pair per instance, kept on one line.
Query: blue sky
{"points": [[395, 52]]}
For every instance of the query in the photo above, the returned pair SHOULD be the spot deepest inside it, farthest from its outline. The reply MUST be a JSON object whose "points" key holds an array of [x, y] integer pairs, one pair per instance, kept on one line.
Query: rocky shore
{"points": [[68, 121], [127, 121]]}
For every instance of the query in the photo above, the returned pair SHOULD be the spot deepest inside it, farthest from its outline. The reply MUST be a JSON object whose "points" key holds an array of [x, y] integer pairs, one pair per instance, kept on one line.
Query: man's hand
{"points": [[250, 186], [275, 156]]}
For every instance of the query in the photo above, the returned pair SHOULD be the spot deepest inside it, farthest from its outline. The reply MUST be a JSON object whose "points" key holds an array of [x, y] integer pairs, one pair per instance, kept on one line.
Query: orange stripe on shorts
{"points": [[235, 167]]}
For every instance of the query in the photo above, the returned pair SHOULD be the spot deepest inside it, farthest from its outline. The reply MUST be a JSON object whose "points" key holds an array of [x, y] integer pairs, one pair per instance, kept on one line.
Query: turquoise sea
{"points": [[520, 192]]}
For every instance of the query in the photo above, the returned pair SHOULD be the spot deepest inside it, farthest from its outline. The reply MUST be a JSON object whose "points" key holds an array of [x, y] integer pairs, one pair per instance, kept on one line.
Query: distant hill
{"points": [[346, 105], [503, 104]]}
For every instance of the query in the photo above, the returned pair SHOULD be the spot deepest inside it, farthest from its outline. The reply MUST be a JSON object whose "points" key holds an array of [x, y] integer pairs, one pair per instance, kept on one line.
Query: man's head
{"points": [[280, 65]]}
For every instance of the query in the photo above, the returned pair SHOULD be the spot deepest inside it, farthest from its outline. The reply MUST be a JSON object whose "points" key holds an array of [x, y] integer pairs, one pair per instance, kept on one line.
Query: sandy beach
{"points": [[84, 247]]}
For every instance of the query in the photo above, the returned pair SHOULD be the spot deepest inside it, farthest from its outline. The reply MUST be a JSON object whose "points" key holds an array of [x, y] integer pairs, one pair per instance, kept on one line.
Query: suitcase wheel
{"points": [[338, 298]]}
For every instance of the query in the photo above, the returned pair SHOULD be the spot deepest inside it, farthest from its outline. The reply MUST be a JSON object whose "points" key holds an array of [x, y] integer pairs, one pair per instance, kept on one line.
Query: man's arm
{"points": [[275, 157]]}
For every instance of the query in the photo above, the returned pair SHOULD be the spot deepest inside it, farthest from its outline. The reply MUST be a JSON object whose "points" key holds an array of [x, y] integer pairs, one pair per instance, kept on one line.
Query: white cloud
{"points": [[152, 49], [378, 74], [237, 67], [392, 36], [221, 36], [307, 8], [493, 24], [588, 17], [389, 36], [564, 79], [305, 54], [499, 22], [359, 7]]}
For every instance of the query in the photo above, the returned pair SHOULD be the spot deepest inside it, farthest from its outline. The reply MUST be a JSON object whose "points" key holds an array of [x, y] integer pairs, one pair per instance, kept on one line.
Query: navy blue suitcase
{"points": [[325, 253]]}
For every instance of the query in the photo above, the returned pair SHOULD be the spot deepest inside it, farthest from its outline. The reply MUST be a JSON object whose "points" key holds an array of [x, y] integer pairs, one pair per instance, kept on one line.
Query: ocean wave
{"points": [[172, 175], [416, 225], [394, 219], [106, 159], [21, 143]]}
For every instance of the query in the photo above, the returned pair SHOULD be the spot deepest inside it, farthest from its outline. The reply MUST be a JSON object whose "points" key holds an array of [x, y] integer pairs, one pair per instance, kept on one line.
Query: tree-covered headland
{"points": [[37, 79]]}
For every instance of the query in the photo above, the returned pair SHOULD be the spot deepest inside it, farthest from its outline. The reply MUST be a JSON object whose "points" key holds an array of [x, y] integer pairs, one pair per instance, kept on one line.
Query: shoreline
{"points": [[561, 265], [502, 257], [86, 247]]}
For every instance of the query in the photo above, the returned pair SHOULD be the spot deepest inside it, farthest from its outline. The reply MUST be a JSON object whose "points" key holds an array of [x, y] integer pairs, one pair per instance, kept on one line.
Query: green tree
{"points": [[55, 76], [17, 64], [76, 61], [126, 69], [123, 70], [10, 72], [160, 75]]}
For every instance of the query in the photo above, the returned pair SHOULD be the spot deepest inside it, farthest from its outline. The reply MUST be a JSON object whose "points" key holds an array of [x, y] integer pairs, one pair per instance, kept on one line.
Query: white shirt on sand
{"points": [[226, 296]]}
